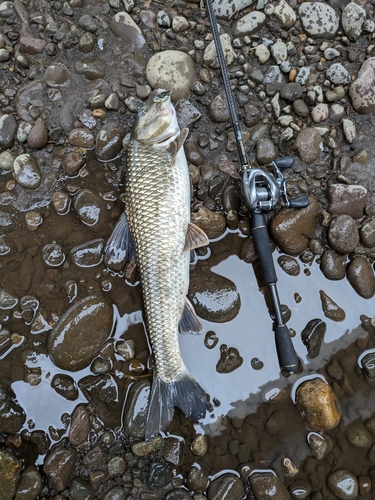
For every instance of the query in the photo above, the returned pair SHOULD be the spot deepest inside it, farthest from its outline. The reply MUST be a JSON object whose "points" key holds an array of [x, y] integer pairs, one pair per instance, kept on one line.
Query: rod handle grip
{"points": [[288, 359], [263, 247], [299, 202]]}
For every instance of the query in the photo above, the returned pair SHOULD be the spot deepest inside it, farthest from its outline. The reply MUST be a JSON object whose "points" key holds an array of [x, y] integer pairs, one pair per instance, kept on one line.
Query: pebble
{"points": [[80, 489], [72, 163], [65, 386], [331, 53], [88, 23], [163, 19], [300, 489], [12, 416], [109, 141], [307, 145], [143, 448], [312, 336], [73, 344], [218, 109], [358, 436], [367, 234], [312, 14], [53, 255], [343, 484], [300, 108], [159, 475], [284, 12], [320, 113], [59, 465], [225, 9], [212, 223], [38, 136], [61, 202], [343, 234], [337, 74], [210, 54], [10, 469], [361, 276], [87, 43], [88, 254], [199, 445], [101, 391], [226, 486], [249, 24], [8, 130], [116, 466], [197, 480], [91, 70], [179, 78], [352, 18], [330, 309], [215, 298], [57, 76], [266, 151], [291, 229], [88, 207], [6, 161], [362, 90], [30, 484], [318, 404], [279, 52], [289, 265], [319, 445], [267, 486], [79, 426], [230, 359], [347, 199], [32, 45], [27, 172], [262, 53], [136, 407], [349, 130], [333, 265], [81, 138], [303, 76]]}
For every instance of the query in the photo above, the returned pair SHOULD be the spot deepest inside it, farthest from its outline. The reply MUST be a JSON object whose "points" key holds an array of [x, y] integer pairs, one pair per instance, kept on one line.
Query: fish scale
{"points": [[157, 202]]}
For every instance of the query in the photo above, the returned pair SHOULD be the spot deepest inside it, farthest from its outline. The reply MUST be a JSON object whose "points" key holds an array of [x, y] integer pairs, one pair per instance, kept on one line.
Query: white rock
{"points": [[249, 24], [318, 19], [320, 113], [303, 75], [262, 53], [330, 54], [124, 18], [163, 19], [337, 74], [23, 131], [225, 9], [180, 23], [349, 130], [353, 17], [284, 12], [279, 52], [276, 105], [210, 55], [285, 120]]}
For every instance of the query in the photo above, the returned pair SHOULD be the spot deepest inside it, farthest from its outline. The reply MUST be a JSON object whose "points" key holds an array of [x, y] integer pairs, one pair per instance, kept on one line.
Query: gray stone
{"points": [[367, 234], [249, 24], [10, 469], [362, 90], [8, 130], [57, 76], [279, 52], [357, 435], [291, 91], [318, 19], [307, 145], [225, 9], [353, 17], [343, 484], [337, 74], [210, 54], [303, 75], [159, 475], [343, 234], [312, 336], [266, 485], [226, 486]]}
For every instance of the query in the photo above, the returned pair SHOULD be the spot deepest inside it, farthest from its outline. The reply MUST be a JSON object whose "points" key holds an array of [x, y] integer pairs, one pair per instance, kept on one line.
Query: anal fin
{"points": [[195, 237], [189, 322]]}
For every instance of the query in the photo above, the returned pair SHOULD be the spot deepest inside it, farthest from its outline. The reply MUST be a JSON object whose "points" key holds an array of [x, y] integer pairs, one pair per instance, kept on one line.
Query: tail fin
{"points": [[185, 393]]}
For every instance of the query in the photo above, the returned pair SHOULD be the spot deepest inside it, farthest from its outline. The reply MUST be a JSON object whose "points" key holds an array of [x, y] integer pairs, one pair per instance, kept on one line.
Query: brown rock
{"points": [[213, 224], [59, 466], [362, 90], [80, 425], [349, 200], [81, 138], [361, 277], [38, 135], [316, 400], [31, 45], [307, 145], [266, 151], [292, 228], [72, 163], [218, 110]]}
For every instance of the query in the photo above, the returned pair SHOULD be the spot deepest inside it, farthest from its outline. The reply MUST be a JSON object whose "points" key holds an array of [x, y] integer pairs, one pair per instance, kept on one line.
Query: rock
{"points": [[88, 254], [225, 9], [267, 486], [289, 265], [180, 75], [303, 75], [307, 145], [12, 416], [319, 445], [173, 452], [159, 475], [79, 426], [330, 308], [79, 489], [59, 465], [32, 45], [353, 17], [10, 469], [91, 70], [30, 484], [73, 343], [252, 115], [312, 336], [116, 466], [197, 480], [88, 23], [343, 234], [230, 359], [226, 486], [300, 489], [266, 151], [109, 141], [362, 90], [199, 445], [367, 234], [275, 422], [143, 448], [81, 138], [214, 297], [38, 135], [361, 277], [319, 20], [101, 391], [320, 113], [279, 52], [53, 255], [284, 12], [65, 386], [135, 412], [347, 200], [88, 206], [337, 74], [210, 54], [317, 402], [27, 172], [6, 161], [343, 484], [57, 76], [8, 130], [357, 435], [291, 229], [262, 53], [368, 365], [72, 163], [333, 265], [291, 91], [213, 224], [249, 24], [218, 109]]}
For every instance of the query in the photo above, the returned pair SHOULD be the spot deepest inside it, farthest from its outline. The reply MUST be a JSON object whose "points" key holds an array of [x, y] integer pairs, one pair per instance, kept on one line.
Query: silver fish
{"points": [[156, 224]]}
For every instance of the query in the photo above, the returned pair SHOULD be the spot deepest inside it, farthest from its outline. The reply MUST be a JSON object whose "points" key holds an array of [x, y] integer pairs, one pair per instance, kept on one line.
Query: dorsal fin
{"points": [[175, 146], [195, 237]]}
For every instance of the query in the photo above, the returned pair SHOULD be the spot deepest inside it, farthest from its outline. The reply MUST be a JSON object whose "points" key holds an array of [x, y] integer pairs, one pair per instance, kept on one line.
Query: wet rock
{"points": [[353, 17], [197, 480], [65, 386], [186, 113], [38, 135], [333, 265], [27, 172], [8, 130], [73, 343], [53, 255], [72, 163], [300, 489], [143, 448], [88, 207], [101, 391], [362, 90], [79, 489], [319, 445], [126, 349], [249, 24], [10, 469], [173, 452], [136, 407], [266, 151], [59, 465], [159, 475], [292, 229], [358, 436], [226, 486], [346, 199], [275, 422], [367, 234], [361, 277], [330, 308], [343, 484], [125, 28], [61, 202], [91, 70], [218, 109], [199, 445], [289, 265], [212, 223], [210, 55], [230, 359], [57, 76], [12, 416], [180, 75], [343, 234], [30, 484], [88, 254], [312, 336], [318, 20], [368, 365], [307, 145], [267, 486], [317, 402], [79, 425], [109, 141], [215, 298], [81, 138]]}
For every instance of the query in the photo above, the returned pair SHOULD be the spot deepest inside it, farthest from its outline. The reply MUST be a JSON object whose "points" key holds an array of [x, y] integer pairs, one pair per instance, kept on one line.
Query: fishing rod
{"points": [[261, 191]]}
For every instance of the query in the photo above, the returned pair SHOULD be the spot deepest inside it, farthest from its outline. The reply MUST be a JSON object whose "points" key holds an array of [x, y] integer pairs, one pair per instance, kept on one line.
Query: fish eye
{"points": [[163, 96]]}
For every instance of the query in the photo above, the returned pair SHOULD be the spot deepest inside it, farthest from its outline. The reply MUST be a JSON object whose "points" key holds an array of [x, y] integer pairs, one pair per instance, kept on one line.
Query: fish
{"points": [[155, 228]]}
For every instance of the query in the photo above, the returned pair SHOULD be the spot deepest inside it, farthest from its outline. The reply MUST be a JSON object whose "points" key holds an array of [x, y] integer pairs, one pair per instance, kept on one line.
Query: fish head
{"points": [[156, 121]]}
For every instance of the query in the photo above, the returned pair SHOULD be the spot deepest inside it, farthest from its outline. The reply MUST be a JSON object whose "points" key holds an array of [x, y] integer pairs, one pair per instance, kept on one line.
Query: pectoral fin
{"points": [[195, 237], [175, 146], [189, 322], [120, 246]]}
